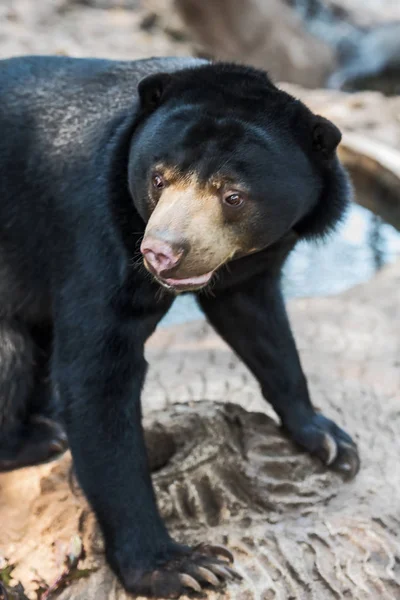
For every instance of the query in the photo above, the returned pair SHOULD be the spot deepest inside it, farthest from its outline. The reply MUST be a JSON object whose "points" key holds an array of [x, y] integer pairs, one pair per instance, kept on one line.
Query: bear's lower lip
{"points": [[189, 283]]}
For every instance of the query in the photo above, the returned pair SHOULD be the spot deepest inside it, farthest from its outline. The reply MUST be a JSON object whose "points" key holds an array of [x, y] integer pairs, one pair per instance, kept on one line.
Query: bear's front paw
{"points": [[180, 570], [322, 437]]}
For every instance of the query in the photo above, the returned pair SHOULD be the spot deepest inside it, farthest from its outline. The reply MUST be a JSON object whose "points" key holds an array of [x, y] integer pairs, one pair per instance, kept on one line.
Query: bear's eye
{"points": [[234, 199], [158, 181]]}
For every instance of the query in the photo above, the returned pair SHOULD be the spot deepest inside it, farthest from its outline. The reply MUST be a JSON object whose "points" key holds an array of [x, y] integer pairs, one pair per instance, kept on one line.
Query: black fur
{"points": [[77, 145]]}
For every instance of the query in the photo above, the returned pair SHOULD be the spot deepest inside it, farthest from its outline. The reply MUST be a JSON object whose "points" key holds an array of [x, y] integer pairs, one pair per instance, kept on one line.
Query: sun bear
{"points": [[122, 185]]}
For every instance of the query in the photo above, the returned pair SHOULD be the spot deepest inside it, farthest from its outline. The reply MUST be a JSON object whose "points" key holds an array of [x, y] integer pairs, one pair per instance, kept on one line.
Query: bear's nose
{"points": [[162, 256]]}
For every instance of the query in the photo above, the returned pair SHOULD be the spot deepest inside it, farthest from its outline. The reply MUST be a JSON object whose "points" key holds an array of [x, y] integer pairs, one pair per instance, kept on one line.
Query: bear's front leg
{"points": [[99, 369], [252, 319]]}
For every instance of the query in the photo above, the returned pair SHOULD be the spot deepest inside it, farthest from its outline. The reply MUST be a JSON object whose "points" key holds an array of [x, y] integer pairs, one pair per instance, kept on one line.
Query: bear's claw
{"points": [[323, 438], [187, 571]]}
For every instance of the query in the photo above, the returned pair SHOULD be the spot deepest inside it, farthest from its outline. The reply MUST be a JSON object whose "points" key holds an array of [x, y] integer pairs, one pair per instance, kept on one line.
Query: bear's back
{"points": [[61, 99]]}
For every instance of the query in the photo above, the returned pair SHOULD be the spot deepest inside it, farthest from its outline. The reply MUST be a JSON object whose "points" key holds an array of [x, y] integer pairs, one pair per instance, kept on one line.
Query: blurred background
{"points": [[342, 57], [353, 44]]}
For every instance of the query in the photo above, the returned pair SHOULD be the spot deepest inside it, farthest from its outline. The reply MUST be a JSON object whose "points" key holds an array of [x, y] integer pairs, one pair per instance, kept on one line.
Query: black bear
{"points": [[123, 184]]}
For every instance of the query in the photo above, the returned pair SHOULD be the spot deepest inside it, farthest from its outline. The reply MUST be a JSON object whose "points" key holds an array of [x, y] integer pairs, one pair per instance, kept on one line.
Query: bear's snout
{"points": [[162, 256]]}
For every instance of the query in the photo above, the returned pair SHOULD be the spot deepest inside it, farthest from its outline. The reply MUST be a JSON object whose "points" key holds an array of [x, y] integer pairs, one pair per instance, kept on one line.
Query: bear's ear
{"points": [[325, 137], [152, 88]]}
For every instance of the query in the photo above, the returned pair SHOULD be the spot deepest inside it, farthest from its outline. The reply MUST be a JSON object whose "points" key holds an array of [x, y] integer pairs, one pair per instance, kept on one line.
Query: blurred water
{"points": [[353, 255]]}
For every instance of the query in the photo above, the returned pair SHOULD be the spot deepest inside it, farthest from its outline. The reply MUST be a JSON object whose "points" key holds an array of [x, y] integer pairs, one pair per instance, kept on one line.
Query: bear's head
{"points": [[223, 164]]}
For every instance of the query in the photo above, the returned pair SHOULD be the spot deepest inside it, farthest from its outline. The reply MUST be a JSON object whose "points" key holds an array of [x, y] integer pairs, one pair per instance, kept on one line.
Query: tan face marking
{"points": [[191, 214]]}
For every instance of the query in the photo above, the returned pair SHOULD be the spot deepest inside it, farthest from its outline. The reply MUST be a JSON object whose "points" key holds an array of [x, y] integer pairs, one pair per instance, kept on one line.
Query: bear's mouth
{"points": [[187, 284], [181, 284]]}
